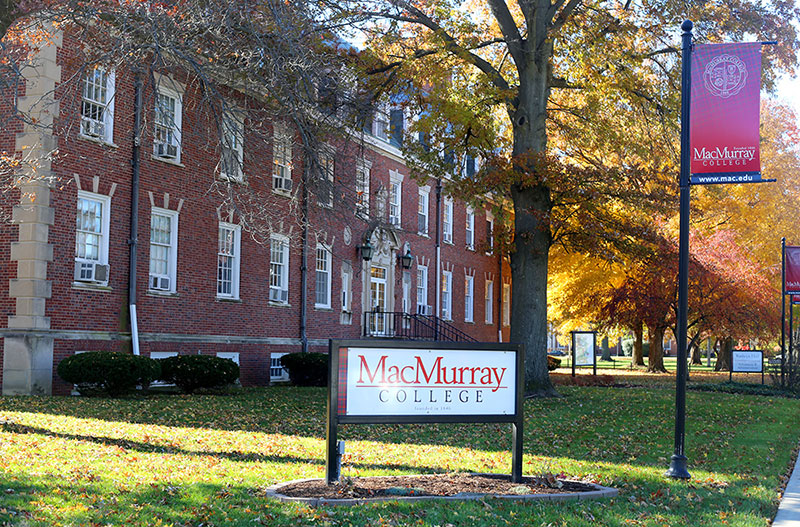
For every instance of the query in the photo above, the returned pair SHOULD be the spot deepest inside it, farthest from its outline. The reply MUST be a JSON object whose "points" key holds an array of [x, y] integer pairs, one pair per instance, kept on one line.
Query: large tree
{"points": [[504, 60]]}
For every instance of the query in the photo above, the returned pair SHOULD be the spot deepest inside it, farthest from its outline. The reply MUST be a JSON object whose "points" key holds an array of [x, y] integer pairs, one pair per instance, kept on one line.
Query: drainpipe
{"points": [[438, 256], [500, 297], [304, 267], [132, 242]]}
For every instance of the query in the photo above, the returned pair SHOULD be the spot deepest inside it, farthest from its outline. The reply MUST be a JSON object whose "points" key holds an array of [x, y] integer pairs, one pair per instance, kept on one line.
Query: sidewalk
{"points": [[789, 509]]}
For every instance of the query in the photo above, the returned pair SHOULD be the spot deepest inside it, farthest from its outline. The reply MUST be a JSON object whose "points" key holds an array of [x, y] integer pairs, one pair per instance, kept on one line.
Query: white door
{"points": [[377, 294]]}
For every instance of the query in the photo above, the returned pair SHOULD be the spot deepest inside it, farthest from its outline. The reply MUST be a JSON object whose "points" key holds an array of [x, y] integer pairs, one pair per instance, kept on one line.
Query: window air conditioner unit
{"points": [[91, 272], [424, 310], [93, 128], [159, 283], [278, 295], [282, 183], [166, 150]]}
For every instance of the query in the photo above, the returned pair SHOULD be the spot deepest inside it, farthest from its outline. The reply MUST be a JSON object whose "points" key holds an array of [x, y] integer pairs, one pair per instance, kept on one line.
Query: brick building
{"points": [[205, 280]]}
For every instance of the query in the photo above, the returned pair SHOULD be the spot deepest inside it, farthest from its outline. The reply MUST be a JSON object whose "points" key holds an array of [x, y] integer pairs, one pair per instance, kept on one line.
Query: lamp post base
{"points": [[677, 468]]}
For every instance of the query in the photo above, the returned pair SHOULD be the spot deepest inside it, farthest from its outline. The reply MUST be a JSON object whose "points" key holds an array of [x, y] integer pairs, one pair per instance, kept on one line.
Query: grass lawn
{"points": [[205, 460]]}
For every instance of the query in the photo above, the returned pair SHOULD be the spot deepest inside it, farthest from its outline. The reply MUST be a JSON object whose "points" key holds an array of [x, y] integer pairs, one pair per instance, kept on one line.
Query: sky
{"points": [[789, 92]]}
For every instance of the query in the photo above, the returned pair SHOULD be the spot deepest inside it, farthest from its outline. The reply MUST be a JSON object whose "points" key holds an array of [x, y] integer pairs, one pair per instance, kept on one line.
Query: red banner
{"points": [[792, 271], [725, 113]]}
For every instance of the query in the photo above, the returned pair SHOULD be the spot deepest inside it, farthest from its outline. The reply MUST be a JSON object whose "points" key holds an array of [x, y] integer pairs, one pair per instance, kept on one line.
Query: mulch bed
{"points": [[431, 485]]}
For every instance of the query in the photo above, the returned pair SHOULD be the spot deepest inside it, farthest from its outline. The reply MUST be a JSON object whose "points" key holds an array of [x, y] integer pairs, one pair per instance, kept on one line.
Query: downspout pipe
{"points": [[134, 229], [438, 256], [500, 298], [304, 268]]}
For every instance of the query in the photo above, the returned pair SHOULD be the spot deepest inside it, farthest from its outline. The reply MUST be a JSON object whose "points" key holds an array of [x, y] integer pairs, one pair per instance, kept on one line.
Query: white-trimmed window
{"points": [[282, 159], [489, 300], [447, 221], [347, 293], [422, 210], [489, 233], [91, 237], [506, 304], [469, 298], [327, 165], [279, 269], [323, 277], [168, 119], [163, 249], [380, 122], [422, 291], [277, 373], [470, 229], [363, 168], [395, 198], [447, 295], [97, 105], [228, 260], [232, 146]]}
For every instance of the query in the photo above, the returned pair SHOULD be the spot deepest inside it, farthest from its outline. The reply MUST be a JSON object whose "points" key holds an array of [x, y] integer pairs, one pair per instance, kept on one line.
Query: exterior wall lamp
{"points": [[406, 260], [366, 251]]}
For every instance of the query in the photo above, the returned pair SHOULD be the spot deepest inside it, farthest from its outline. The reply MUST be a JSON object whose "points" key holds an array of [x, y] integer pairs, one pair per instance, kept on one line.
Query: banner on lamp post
{"points": [[725, 113], [792, 272]]}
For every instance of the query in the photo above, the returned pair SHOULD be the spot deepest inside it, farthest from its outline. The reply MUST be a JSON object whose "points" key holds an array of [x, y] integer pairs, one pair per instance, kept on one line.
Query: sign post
{"points": [[408, 382], [720, 113]]}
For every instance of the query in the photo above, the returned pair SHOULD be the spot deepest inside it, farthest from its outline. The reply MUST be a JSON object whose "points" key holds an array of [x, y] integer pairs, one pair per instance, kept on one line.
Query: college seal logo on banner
{"points": [[725, 76]]}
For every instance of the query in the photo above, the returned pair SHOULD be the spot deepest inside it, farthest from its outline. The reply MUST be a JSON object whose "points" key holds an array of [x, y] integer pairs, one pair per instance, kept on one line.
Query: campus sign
{"points": [[424, 382], [725, 113], [747, 361], [792, 270], [373, 381]]}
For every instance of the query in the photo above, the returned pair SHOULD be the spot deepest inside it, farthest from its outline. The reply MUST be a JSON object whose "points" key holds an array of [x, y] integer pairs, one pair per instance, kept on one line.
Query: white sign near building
{"points": [[426, 382], [747, 361]]}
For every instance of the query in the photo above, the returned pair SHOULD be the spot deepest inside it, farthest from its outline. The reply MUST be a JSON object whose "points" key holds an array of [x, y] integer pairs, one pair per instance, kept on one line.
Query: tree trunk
{"points": [[532, 208], [606, 350], [655, 358], [697, 353], [724, 355], [529, 287], [638, 355]]}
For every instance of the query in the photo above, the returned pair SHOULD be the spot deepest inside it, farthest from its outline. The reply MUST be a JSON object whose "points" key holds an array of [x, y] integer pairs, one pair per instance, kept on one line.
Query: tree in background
{"points": [[492, 70]]}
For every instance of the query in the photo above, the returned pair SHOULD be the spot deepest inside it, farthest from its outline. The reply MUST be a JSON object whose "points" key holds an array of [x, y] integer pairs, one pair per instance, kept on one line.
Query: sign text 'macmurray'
{"points": [[432, 374]]}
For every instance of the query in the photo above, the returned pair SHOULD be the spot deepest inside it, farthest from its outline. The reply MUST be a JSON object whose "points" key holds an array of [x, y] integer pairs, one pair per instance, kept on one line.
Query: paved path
{"points": [[789, 509]]}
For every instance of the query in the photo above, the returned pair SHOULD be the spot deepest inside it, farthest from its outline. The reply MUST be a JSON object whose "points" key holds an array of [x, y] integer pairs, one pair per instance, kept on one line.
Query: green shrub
{"points": [[306, 369], [107, 372], [194, 372], [553, 362]]}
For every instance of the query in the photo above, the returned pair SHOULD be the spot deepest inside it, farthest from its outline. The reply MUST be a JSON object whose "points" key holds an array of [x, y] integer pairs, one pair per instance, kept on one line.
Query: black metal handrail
{"points": [[393, 324]]}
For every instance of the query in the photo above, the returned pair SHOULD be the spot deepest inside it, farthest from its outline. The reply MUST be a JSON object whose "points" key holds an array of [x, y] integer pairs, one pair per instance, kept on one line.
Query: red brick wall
{"points": [[194, 308]]}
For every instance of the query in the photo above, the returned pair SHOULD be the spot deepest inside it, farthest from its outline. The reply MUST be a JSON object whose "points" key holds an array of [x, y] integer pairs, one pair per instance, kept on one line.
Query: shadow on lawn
{"points": [[245, 457]]}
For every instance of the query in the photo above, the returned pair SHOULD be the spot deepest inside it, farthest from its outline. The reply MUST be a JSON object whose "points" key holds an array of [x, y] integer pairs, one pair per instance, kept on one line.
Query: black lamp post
{"points": [[366, 251], [406, 260]]}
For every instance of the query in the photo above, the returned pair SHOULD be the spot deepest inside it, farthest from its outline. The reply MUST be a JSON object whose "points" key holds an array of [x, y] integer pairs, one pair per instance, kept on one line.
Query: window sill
{"points": [[279, 304], [239, 180], [423, 234], [281, 192], [167, 161], [228, 300], [98, 140], [469, 322], [470, 248], [153, 292], [89, 286], [448, 242], [323, 308]]}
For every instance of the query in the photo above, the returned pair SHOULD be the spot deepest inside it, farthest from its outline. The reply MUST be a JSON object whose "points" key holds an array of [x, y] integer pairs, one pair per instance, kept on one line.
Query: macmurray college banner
{"points": [[724, 113]]}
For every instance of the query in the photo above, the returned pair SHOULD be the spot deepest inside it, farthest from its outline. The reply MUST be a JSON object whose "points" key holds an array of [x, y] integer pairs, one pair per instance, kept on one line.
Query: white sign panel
{"points": [[747, 361], [584, 349], [391, 381]]}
